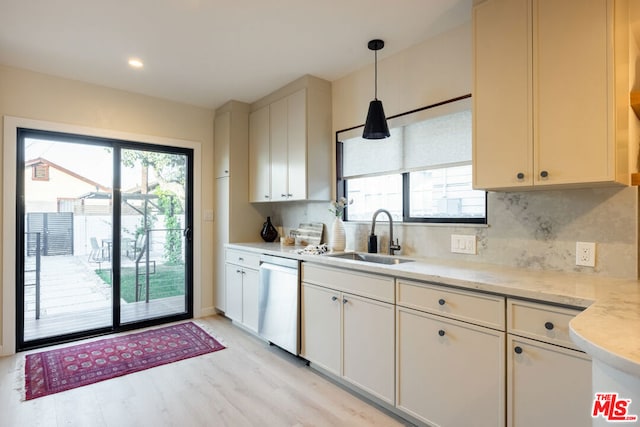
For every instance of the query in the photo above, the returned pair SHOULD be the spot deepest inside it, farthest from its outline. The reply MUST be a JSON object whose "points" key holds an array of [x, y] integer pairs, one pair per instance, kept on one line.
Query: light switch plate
{"points": [[463, 244]]}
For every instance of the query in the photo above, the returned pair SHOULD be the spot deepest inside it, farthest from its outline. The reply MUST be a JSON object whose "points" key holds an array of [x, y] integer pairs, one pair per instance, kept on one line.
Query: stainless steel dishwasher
{"points": [[279, 302]]}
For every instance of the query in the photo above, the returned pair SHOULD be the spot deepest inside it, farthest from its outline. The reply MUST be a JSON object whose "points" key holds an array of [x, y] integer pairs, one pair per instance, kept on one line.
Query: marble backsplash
{"points": [[536, 230]]}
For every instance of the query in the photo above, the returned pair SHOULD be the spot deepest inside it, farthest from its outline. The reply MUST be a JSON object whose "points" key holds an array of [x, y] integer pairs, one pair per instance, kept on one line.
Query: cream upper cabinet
{"points": [[222, 140], [502, 119], [289, 147], [294, 141], [297, 146], [279, 143], [550, 93], [259, 156]]}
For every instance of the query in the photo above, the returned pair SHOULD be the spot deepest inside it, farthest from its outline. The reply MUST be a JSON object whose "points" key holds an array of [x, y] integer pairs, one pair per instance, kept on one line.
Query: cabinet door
{"points": [[250, 299], [234, 292], [220, 237], [571, 80], [502, 117], [222, 140], [320, 324], [450, 373], [368, 346], [259, 156], [547, 385], [297, 145], [278, 113]]}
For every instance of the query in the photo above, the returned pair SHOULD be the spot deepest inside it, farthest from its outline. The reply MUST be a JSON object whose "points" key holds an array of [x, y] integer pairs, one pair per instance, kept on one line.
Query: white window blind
{"points": [[426, 139]]}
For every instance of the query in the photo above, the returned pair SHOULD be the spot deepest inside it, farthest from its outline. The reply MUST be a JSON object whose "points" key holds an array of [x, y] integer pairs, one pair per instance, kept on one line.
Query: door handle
{"points": [[187, 233]]}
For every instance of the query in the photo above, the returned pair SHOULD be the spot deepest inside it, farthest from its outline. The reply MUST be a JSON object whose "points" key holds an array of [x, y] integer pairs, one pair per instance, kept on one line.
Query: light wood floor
{"points": [[247, 384]]}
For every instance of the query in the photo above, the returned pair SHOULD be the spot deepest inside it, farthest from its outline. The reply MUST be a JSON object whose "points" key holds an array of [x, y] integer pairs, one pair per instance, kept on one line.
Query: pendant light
{"points": [[375, 127]]}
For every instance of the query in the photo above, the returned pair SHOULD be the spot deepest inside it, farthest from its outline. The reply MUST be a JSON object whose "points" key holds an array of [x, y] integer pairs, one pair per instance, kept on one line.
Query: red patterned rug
{"points": [[65, 368]]}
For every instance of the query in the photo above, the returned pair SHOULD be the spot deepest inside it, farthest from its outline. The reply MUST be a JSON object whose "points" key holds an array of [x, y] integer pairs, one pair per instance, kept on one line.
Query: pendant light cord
{"points": [[375, 96]]}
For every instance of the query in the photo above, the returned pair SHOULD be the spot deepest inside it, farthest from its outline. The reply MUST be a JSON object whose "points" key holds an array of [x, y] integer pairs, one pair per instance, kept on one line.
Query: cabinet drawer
{"points": [[245, 259], [482, 309], [363, 284], [540, 321]]}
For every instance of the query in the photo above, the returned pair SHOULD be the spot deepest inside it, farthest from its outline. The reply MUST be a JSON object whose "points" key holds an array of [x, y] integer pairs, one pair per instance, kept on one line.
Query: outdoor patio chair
{"points": [[97, 253], [134, 247]]}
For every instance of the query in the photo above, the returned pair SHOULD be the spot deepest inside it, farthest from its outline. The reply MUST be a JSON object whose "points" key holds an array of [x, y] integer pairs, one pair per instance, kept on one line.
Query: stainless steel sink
{"points": [[374, 258]]}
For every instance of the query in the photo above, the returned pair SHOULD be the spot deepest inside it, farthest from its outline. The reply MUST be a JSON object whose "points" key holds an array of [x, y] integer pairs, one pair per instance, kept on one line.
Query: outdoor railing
{"points": [[33, 248]]}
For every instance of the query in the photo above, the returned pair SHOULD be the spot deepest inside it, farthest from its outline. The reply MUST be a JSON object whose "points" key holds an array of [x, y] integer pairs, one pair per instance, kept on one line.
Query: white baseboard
{"points": [[208, 311]]}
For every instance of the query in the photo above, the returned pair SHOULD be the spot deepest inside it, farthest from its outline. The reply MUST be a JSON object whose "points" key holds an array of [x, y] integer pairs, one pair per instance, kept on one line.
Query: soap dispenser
{"points": [[372, 247]]}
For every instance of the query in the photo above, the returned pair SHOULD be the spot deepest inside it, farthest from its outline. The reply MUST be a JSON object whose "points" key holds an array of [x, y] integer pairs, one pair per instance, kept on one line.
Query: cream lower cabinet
{"points": [[449, 372], [548, 379], [321, 327], [241, 272], [548, 385], [350, 334]]}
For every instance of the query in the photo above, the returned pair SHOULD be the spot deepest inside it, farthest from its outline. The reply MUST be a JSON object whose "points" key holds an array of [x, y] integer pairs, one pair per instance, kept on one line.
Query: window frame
{"points": [[342, 184]]}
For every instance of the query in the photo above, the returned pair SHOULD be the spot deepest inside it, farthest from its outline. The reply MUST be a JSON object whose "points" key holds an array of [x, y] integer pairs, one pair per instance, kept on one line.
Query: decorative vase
{"points": [[269, 232], [338, 237]]}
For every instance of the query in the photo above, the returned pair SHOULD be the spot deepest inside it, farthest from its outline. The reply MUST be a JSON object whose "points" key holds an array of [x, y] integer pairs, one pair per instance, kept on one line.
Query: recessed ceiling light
{"points": [[135, 63]]}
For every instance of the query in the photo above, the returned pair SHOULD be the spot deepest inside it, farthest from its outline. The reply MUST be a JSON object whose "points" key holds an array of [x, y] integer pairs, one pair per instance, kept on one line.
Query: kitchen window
{"points": [[421, 173]]}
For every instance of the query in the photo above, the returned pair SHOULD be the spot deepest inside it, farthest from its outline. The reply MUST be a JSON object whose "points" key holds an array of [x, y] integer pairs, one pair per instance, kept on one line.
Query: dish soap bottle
{"points": [[269, 232]]}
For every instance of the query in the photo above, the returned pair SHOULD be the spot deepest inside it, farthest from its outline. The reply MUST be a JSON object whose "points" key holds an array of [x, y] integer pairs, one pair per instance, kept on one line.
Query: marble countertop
{"points": [[608, 329]]}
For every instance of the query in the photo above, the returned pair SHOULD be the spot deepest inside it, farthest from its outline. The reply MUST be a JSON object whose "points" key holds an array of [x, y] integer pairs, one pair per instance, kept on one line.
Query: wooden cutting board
{"points": [[309, 233]]}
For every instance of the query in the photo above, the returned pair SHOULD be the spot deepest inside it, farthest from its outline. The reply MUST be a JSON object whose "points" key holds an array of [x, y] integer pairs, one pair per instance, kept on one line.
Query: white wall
{"points": [[35, 96]]}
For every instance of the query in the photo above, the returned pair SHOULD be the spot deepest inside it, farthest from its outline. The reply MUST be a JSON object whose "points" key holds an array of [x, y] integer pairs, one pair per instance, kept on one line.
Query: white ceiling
{"points": [[205, 52]]}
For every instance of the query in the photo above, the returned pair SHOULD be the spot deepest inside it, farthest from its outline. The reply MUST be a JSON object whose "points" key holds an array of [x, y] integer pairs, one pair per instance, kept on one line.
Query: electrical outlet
{"points": [[463, 244], [586, 254]]}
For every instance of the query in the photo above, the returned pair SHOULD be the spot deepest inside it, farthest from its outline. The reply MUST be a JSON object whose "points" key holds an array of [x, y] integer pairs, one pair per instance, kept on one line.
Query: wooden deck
{"points": [[80, 320], [74, 298]]}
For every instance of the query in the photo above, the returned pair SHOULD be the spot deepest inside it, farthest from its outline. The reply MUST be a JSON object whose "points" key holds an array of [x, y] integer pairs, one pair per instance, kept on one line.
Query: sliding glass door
{"points": [[153, 234], [105, 230], [66, 220]]}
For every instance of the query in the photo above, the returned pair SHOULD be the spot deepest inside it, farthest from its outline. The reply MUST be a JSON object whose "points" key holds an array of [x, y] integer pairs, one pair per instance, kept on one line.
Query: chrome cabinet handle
{"points": [[344, 301], [334, 298]]}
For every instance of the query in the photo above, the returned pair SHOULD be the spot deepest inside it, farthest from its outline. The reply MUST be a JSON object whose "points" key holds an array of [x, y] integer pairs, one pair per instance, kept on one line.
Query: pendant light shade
{"points": [[375, 127]]}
